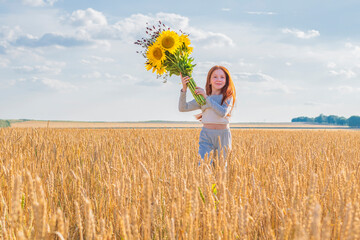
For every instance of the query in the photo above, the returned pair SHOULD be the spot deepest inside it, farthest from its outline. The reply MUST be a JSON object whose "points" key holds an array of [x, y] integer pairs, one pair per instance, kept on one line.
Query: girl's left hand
{"points": [[200, 91]]}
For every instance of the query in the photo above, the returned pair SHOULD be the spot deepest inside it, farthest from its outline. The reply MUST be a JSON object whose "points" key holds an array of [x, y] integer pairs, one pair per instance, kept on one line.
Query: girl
{"points": [[220, 97]]}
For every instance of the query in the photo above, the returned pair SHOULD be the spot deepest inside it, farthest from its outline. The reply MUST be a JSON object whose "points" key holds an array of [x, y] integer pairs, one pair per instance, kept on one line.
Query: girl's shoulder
{"points": [[218, 98]]}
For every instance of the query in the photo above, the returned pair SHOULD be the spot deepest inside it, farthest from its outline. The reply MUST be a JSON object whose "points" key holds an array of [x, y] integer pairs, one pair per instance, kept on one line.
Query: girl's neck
{"points": [[216, 92]]}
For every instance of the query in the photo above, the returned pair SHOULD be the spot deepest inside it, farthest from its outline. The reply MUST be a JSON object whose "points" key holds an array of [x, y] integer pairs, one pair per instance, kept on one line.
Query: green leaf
{"points": [[23, 201], [213, 188], [201, 195]]}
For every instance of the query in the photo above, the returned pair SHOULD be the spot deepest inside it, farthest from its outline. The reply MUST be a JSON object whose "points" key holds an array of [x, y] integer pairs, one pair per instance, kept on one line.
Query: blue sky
{"points": [[75, 60]]}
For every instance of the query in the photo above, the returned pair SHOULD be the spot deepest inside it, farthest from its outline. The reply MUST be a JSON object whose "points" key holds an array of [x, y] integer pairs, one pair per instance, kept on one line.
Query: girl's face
{"points": [[217, 80]]}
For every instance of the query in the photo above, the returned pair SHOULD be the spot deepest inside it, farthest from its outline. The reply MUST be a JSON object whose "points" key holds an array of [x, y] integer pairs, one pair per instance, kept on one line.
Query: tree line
{"points": [[4, 123], [353, 121]]}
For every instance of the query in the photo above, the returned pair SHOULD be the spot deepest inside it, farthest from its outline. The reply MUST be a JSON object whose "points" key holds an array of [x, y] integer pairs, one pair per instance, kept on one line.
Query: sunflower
{"points": [[148, 67], [160, 70], [169, 41], [185, 41], [155, 55]]}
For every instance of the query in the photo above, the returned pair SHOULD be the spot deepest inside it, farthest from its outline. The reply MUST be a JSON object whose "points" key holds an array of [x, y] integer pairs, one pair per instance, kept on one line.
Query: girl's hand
{"points": [[184, 81], [200, 91]]}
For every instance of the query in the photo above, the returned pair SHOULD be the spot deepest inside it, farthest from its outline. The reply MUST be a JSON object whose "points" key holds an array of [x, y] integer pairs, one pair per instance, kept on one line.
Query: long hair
{"points": [[227, 91]]}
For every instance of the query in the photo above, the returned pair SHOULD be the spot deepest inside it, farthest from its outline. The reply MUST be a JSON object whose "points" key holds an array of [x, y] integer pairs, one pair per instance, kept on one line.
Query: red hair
{"points": [[227, 91]]}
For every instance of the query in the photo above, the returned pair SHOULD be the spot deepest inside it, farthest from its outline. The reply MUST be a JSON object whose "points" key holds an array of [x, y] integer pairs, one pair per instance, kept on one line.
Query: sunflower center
{"points": [[168, 42], [157, 53]]}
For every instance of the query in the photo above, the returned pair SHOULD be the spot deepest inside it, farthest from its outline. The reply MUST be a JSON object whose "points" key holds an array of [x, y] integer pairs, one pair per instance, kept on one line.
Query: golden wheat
{"points": [[146, 184]]}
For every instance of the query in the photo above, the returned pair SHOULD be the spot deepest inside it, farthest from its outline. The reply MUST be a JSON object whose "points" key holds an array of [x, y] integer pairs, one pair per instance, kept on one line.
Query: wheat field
{"points": [[87, 125], [146, 184]]}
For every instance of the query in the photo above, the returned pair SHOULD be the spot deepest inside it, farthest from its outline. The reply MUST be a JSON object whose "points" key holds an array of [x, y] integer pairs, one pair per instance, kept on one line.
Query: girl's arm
{"points": [[222, 110], [187, 106]]}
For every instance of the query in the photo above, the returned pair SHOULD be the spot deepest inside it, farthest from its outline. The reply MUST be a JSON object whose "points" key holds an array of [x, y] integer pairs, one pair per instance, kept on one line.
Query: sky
{"points": [[76, 60]]}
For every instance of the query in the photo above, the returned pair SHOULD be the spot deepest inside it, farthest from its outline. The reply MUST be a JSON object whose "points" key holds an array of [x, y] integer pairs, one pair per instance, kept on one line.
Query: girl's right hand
{"points": [[184, 81]]}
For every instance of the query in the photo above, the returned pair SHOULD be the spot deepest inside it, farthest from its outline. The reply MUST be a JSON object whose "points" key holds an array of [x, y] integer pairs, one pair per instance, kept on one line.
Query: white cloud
{"points": [[124, 80], [21, 56], [210, 39], [39, 3], [92, 75], [261, 83], [253, 77], [49, 67], [301, 34], [225, 9], [205, 66], [243, 63], [97, 60], [102, 59], [8, 34], [311, 103], [331, 65], [175, 21], [343, 72], [133, 27], [93, 24], [108, 77], [88, 18], [4, 63], [39, 82], [34, 3], [23, 69], [261, 13], [58, 85], [345, 89], [128, 78], [355, 49], [49, 39]]}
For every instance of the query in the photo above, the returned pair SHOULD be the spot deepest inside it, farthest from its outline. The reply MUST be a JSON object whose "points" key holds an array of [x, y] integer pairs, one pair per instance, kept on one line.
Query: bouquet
{"points": [[168, 53]]}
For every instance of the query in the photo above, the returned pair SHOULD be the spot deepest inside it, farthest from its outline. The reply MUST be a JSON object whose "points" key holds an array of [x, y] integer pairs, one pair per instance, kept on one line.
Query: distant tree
{"points": [[4, 123], [331, 119], [341, 121], [302, 119], [354, 121], [321, 119]]}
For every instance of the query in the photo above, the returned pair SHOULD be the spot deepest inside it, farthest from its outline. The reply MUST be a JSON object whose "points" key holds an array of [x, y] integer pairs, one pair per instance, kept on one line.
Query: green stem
{"points": [[191, 84], [199, 98], [192, 89]]}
